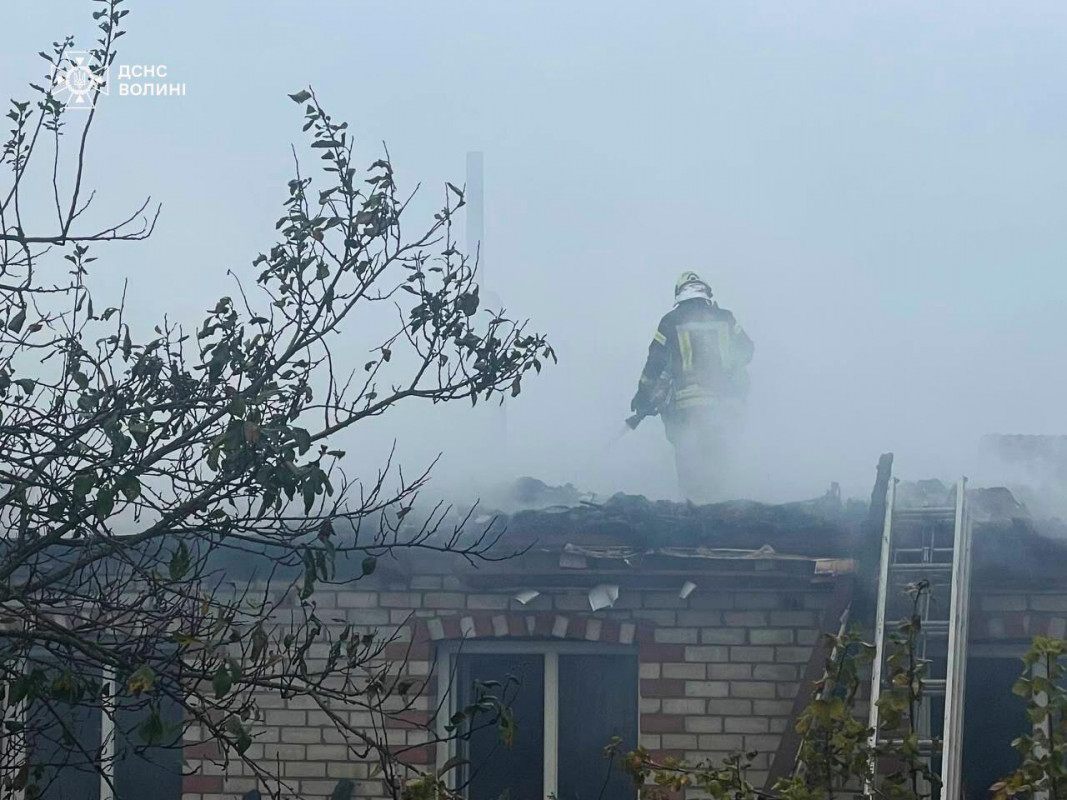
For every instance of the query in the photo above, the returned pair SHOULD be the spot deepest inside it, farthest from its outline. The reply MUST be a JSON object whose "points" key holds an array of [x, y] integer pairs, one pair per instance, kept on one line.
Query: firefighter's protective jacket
{"points": [[700, 352]]}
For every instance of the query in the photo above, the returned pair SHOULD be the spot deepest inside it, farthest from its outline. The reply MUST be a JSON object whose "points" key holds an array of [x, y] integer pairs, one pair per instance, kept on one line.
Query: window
{"points": [[569, 700], [73, 736], [993, 717]]}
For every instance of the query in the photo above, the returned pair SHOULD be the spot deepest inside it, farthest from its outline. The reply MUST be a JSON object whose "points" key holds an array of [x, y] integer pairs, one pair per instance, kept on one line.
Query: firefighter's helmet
{"points": [[691, 286]]}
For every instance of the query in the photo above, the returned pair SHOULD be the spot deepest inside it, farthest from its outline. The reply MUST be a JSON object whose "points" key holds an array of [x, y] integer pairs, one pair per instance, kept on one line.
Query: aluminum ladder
{"points": [[930, 544]]}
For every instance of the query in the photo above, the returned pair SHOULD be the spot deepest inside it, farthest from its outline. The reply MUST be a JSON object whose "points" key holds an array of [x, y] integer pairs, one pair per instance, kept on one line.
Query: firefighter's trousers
{"points": [[701, 439]]}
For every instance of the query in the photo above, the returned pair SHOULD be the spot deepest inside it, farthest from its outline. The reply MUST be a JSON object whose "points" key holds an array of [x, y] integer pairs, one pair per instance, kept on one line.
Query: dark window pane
{"points": [[142, 771], [496, 771], [992, 717], [64, 740], [597, 701]]}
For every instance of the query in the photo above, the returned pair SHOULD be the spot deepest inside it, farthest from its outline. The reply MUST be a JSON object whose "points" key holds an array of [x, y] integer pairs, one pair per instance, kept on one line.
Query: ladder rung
{"points": [[918, 522], [931, 628], [935, 627], [920, 513], [926, 566], [926, 746]]}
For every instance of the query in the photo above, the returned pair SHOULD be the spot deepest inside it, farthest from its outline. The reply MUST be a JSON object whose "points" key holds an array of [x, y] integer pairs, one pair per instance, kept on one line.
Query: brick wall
{"points": [[718, 672], [1016, 616]]}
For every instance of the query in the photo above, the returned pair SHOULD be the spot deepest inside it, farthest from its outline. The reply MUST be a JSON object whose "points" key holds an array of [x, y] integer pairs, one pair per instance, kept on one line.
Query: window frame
{"points": [[108, 734], [447, 655]]}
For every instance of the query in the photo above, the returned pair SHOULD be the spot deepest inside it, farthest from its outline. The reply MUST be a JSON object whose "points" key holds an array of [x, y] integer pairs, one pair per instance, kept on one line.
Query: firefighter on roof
{"points": [[695, 379]]}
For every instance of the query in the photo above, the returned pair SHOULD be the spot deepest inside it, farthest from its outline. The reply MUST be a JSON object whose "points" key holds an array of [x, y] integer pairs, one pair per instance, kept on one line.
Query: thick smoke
{"points": [[876, 192]]}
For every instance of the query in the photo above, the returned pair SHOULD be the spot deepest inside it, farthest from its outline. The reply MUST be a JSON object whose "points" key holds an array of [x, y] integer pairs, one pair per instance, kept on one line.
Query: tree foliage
{"points": [[727, 780], [1043, 771], [138, 472], [837, 753], [835, 748]]}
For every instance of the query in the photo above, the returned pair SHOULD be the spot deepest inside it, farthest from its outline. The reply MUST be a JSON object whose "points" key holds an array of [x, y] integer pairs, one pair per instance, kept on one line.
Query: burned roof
{"points": [[817, 528], [1009, 545]]}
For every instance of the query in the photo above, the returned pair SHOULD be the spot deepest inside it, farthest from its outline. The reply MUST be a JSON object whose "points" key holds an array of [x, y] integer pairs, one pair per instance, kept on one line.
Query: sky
{"points": [[875, 190]]}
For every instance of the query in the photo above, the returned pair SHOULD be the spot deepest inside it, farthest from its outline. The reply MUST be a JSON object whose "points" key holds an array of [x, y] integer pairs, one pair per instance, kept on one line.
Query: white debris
{"points": [[526, 595], [603, 596]]}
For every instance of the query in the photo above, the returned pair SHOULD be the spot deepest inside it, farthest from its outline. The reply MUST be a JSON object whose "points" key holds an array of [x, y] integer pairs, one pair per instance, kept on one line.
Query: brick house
{"points": [[694, 650], [693, 632]]}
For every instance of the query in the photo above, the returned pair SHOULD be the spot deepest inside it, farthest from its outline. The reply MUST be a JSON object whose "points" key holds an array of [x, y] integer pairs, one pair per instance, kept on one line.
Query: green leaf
{"points": [[320, 564], [139, 431], [259, 643], [310, 574], [26, 384], [130, 487], [84, 483], [369, 564], [222, 682], [300, 97], [22, 687], [15, 323], [105, 503], [1038, 714], [179, 562], [235, 669], [242, 739], [302, 439], [141, 681]]}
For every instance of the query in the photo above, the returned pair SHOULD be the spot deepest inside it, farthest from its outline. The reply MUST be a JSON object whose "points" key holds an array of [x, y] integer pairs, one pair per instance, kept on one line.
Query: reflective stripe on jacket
{"points": [[701, 351]]}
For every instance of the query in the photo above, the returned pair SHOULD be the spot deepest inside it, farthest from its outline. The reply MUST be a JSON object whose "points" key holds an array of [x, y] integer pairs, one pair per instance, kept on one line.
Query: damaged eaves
{"points": [[635, 543], [632, 542], [578, 556], [677, 570]]}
